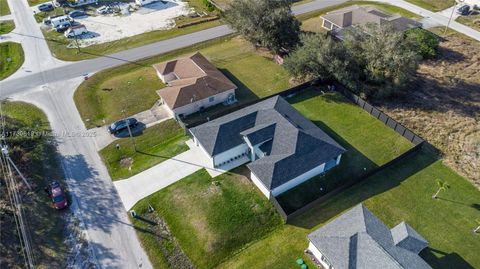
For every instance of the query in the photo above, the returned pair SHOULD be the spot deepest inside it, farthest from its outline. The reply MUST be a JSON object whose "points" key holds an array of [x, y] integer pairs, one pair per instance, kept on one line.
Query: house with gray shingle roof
{"points": [[279, 145], [359, 240]]}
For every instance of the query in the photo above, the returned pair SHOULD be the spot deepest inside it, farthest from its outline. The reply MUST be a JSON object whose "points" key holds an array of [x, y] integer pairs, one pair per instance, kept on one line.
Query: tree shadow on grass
{"points": [[377, 183], [440, 259], [353, 165]]}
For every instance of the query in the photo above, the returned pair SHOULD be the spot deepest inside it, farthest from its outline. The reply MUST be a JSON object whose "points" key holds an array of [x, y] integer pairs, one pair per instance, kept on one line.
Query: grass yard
{"points": [[155, 145], [210, 218], [36, 158], [11, 58], [311, 22], [472, 21], [369, 143], [6, 27], [4, 9], [58, 11], [402, 192], [36, 2], [254, 74], [433, 5], [101, 99]]}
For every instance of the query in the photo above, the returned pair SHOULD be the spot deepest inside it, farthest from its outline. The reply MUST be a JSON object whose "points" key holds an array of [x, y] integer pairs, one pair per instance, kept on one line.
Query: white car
{"points": [[76, 30]]}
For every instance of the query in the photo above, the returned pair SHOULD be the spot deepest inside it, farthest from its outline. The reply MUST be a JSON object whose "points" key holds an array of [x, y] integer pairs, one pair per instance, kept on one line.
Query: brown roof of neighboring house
{"points": [[197, 79], [356, 15]]}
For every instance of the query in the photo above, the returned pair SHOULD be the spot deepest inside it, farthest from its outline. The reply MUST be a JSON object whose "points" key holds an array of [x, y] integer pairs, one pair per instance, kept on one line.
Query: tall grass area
{"points": [[11, 58], [211, 218]]}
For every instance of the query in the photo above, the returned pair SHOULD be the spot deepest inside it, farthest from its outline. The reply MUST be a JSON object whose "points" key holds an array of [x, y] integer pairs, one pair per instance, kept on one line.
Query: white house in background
{"points": [[282, 148], [144, 2], [357, 239], [193, 85]]}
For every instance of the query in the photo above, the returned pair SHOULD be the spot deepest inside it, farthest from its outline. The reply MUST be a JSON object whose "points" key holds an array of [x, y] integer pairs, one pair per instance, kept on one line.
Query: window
{"points": [[211, 99], [327, 24]]}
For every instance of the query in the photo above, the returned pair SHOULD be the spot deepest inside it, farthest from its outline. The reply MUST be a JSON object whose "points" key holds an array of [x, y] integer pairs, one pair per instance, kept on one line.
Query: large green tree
{"points": [[266, 23]]}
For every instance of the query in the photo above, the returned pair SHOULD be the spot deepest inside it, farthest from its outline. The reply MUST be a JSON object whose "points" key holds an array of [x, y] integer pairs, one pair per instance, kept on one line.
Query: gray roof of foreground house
{"points": [[359, 240], [293, 144]]}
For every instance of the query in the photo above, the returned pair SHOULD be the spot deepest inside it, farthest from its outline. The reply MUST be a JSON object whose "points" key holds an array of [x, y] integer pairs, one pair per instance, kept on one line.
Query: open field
{"points": [[402, 192], [36, 158], [11, 58], [211, 219], [311, 21], [6, 27], [369, 144], [444, 103], [154, 145], [4, 9], [433, 5], [101, 99], [255, 74], [472, 21]]}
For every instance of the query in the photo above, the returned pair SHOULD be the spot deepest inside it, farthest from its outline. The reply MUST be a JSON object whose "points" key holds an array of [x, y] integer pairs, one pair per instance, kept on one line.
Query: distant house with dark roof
{"points": [[193, 84], [282, 147], [354, 16], [359, 240]]}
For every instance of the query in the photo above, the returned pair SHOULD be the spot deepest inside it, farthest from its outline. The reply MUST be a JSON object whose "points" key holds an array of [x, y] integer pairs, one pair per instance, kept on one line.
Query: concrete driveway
{"points": [[141, 185]]}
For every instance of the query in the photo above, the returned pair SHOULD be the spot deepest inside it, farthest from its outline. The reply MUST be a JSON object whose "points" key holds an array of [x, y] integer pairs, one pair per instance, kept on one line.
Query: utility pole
{"points": [[451, 16]]}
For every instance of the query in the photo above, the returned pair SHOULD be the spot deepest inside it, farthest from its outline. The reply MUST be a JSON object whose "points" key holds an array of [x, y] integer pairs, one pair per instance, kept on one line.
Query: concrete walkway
{"points": [[439, 17], [160, 176]]}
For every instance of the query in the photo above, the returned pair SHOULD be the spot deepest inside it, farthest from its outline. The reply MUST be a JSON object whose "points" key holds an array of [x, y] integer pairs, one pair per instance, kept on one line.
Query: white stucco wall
{"points": [[227, 155], [298, 180], [318, 255], [197, 143], [259, 185], [195, 106]]}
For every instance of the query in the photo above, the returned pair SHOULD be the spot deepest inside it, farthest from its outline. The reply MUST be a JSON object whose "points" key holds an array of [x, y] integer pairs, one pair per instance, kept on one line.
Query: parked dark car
{"points": [[59, 199], [46, 7], [463, 10], [77, 13], [62, 28], [120, 125]]}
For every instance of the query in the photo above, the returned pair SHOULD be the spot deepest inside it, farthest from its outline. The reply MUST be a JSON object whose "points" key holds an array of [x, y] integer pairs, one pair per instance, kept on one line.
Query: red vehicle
{"points": [[57, 195]]}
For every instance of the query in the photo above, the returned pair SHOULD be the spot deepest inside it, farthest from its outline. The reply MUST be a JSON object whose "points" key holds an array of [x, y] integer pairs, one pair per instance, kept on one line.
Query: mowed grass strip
{"points": [[6, 27], [4, 9], [472, 20], [433, 5], [400, 193], [11, 58], [155, 145], [311, 22], [101, 98], [211, 218]]}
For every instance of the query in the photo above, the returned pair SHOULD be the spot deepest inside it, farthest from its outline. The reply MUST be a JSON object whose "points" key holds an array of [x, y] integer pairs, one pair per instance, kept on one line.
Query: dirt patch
{"points": [[443, 104]]}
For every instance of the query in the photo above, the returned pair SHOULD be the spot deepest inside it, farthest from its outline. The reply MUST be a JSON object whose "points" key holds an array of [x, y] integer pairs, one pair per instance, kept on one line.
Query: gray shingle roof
{"points": [[295, 145], [359, 240], [406, 237]]}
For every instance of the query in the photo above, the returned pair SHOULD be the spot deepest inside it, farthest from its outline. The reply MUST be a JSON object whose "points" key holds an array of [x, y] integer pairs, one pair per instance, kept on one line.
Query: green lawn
{"points": [[36, 2], [255, 75], [433, 5], [402, 192], [472, 21], [101, 99], [6, 27], [210, 218], [311, 21], [11, 58], [155, 145], [369, 143], [39, 16], [36, 158], [4, 9]]}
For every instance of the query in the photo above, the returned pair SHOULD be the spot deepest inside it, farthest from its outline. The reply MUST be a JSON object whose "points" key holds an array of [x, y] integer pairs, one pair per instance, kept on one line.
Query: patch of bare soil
{"points": [[443, 104]]}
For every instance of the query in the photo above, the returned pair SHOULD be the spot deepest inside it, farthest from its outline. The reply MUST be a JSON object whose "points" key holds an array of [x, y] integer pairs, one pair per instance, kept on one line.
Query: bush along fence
{"points": [[419, 142]]}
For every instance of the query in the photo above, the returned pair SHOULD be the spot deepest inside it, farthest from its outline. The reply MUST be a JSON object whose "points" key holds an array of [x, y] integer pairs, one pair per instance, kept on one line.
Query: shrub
{"points": [[425, 42]]}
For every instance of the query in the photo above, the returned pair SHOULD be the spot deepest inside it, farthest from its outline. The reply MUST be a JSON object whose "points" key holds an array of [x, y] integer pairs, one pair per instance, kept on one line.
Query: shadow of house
{"points": [[375, 184], [440, 259]]}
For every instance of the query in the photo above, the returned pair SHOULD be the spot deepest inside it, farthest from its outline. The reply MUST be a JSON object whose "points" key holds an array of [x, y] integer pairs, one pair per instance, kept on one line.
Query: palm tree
{"points": [[442, 185], [478, 227]]}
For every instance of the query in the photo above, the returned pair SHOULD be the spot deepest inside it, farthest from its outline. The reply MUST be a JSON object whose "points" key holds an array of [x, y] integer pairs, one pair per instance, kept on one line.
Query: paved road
{"points": [[95, 201], [75, 69]]}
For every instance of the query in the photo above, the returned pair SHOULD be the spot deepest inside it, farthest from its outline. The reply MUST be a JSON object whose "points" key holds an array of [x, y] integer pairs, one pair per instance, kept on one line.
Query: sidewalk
{"points": [[439, 17]]}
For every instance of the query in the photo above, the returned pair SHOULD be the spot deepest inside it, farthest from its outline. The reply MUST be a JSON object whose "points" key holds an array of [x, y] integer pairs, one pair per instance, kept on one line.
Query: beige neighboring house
{"points": [[193, 84], [360, 16]]}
